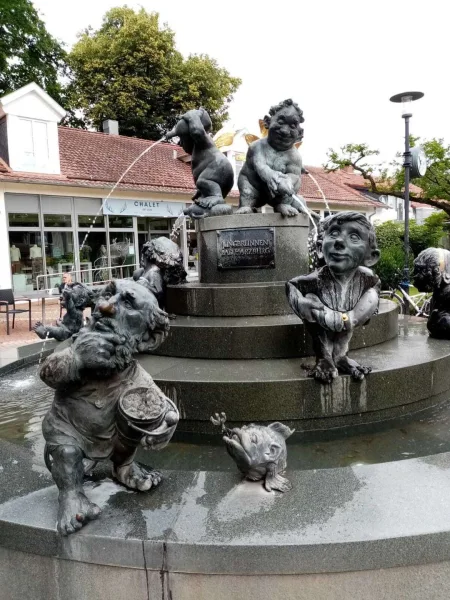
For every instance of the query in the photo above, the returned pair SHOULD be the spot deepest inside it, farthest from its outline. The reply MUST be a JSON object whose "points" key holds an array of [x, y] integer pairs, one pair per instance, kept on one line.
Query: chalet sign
{"points": [[142, 208], [252, 248]]}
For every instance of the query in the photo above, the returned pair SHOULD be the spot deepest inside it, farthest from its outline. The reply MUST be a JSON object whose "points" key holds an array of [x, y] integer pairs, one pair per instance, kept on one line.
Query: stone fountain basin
{"points": [[206, 535], [369, 531]]}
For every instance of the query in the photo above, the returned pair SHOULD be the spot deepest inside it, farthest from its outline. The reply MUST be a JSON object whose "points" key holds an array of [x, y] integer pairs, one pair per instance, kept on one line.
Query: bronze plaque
{"points": [[249, 248]]}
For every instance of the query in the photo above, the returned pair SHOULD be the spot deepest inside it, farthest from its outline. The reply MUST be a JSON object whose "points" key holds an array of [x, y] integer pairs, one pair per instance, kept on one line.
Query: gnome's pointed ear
{"points": [[372, 258]]}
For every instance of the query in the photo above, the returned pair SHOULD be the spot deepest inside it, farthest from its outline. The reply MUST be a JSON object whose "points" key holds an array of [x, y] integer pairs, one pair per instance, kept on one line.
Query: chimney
{"points": [[111, 127], [348, 169]]}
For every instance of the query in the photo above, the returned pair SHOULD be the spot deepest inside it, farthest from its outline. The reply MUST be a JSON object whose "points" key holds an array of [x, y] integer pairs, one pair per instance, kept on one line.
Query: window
{"points": [[57, 221], [120, 222], [91, 221], [23, 219], [34, 142]]}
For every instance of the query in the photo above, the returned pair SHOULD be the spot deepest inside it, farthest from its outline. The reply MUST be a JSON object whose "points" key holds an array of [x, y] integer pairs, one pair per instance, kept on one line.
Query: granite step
{"points": [[412, 368], [273, 336]]}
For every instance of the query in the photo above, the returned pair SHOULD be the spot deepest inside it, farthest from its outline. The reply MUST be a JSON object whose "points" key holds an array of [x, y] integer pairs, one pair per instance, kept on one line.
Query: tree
{"points": [[389, 179], [130, 70], [27, 51]]}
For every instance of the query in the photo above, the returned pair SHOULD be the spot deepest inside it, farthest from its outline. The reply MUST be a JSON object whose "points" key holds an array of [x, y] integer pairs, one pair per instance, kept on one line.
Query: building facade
{"points": [[60, 208]]}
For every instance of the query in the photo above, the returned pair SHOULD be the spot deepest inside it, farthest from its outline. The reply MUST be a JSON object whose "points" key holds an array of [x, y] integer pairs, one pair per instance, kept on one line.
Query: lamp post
{"points": [[405, 98]]}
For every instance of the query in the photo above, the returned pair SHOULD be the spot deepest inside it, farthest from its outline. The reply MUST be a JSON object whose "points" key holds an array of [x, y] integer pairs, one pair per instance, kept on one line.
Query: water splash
{"points": [[114, 188], [321, 192], [177, 226], [309, 213], [41, 355]]}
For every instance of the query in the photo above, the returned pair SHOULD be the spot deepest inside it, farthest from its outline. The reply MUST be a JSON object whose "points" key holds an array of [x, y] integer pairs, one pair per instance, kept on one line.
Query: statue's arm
{"points": [[365, 308], [257, 156], [196, 129], [60, 369], [294, 169]]}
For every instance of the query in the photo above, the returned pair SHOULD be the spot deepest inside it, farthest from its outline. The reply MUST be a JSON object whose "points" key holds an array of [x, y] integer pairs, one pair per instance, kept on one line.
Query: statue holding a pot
{"points": [[105, 403]]}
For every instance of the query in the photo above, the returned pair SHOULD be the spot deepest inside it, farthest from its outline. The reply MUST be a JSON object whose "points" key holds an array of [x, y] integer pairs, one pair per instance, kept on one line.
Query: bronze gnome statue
{"points": [[212, 171], [75, 298], [161, 264], [259, 451], [432, 274], [273, 166], [105, 403], [341, 295]]}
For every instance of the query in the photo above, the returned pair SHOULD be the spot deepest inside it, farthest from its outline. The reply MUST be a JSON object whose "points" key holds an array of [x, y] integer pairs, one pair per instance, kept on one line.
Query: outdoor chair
{"points": [[6, 300]]}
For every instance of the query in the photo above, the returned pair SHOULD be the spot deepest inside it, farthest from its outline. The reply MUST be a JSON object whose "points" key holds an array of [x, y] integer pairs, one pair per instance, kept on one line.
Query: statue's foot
{"points": [[286, 210], [75, 510], [324, 371], [277, 482], [194, 211], [220, 209], [135, 477], [244, 210], [39, 329], [347, 366]]}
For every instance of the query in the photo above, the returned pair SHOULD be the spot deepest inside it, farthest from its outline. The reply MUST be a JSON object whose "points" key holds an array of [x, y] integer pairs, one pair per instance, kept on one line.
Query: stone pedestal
{"points": [[259, 234]]}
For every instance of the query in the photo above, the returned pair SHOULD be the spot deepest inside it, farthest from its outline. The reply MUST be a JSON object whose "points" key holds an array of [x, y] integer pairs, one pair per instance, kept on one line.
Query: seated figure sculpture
{"points": [[341, 295], [75, 297], [90, 377], [273, 166], [432, 274], [212, 171], [161, 264]]}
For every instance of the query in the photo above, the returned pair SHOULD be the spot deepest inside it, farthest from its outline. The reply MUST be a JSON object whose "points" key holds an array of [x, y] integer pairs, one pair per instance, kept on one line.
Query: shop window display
{"points": [[25, 249], [123, 258]]}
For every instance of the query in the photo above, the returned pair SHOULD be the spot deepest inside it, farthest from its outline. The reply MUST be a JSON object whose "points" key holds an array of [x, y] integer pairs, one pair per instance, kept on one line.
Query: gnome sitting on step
{"points": [[340, 296], [90, 377]]}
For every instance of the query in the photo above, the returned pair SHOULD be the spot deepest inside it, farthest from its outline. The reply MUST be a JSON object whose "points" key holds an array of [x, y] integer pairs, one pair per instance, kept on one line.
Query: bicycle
{"points": [[417, 304]]}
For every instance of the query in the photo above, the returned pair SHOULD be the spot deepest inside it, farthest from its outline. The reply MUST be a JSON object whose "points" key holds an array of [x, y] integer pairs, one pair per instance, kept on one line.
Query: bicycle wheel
{"points": [[394, 297]]}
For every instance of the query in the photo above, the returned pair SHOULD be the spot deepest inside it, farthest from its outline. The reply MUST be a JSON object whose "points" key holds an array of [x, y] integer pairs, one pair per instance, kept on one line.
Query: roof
{"points": [[31, 88], [97, 160]]}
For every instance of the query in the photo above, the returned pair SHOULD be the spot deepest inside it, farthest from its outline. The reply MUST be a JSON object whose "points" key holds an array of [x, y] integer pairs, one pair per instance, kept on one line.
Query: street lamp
{"points": [[405, 98]]}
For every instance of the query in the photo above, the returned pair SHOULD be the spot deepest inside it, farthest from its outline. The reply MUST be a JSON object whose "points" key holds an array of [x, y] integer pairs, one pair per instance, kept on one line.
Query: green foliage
{"points": [[390, 238], [390, 267], [390, 179], [27, 51], [130, 70]]}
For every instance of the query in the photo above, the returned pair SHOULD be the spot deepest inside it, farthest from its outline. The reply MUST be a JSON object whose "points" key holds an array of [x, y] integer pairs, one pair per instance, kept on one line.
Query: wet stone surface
{"points": [[26, 399]]}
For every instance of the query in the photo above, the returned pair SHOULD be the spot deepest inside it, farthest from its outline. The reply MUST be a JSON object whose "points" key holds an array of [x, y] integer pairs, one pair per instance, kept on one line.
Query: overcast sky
{"points": [[340, 60]]}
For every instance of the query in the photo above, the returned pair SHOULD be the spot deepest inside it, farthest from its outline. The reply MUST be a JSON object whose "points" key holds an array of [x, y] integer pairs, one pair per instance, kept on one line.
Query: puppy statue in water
{"points": [[91, 378]]}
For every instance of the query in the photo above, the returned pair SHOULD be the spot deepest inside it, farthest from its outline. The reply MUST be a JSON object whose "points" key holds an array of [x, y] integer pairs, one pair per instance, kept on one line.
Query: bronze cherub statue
{"points": [[339, 296], [273, 166], [74, 298]]}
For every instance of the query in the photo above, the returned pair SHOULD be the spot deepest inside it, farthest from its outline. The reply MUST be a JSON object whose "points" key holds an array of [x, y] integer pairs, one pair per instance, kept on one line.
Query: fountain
{"points": [[369, 461]]}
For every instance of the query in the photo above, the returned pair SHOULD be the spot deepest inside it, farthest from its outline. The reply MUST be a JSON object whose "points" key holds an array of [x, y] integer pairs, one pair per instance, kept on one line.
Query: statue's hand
{"points": [[310, 308], [160, 437], [273, 182], [330, 319], [285, 187], [93, 350]]}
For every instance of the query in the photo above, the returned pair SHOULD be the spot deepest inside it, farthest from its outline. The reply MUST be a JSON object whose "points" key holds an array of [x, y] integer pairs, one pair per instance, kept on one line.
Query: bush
{"points": [[390, 238]]}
